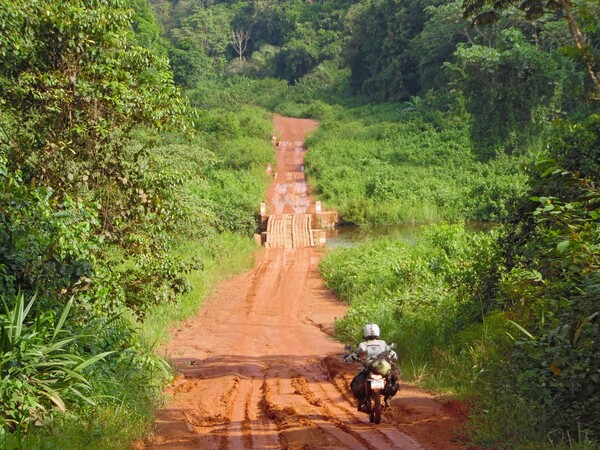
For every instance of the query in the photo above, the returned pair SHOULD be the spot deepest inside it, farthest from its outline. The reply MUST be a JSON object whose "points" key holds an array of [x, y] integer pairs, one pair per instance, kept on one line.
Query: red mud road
{"points": [[259, 367]]}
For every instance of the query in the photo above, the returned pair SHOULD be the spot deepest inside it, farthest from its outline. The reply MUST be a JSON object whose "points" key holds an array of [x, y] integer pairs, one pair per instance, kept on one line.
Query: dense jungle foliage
{"points": [[117, 198], [133, 139]]}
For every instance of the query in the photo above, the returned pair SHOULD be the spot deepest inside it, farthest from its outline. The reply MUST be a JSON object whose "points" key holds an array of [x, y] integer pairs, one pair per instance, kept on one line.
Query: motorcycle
{"points": [[378, 369]]}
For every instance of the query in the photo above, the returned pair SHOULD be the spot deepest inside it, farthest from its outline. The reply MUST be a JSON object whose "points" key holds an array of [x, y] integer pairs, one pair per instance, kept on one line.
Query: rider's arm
{"points": [[351, 357], [359, 353], [391, 353], [362, 351]]}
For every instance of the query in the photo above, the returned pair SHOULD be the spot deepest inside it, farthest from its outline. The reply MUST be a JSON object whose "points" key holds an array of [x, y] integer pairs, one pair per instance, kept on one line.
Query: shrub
{"points": [[39, 371]]}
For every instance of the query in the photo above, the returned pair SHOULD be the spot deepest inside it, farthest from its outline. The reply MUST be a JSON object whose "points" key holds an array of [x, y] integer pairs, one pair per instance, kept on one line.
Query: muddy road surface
{"points": [[259, 368]]}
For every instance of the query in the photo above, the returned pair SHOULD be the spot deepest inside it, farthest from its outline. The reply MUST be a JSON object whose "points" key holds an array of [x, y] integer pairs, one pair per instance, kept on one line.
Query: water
{"points": [[348, 236]]}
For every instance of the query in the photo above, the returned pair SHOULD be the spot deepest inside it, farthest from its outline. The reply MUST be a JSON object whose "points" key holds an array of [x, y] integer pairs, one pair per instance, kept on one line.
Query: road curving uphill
{"points": [[259, 366]]}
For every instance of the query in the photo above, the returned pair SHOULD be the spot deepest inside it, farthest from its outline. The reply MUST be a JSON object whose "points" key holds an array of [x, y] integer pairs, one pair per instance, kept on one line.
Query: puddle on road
{"points": [[292, 194]]}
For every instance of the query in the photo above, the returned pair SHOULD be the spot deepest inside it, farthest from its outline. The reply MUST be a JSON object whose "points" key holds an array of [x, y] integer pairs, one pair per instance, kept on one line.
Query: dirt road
{"points": [[259, 367]]}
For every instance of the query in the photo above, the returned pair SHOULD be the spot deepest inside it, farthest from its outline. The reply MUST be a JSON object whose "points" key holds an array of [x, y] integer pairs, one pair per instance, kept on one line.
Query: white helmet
{"points": [[371, 331]]}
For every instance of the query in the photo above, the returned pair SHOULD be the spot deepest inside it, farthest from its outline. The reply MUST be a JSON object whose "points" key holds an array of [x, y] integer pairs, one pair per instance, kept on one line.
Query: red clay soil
{"points": [[260, 368]]}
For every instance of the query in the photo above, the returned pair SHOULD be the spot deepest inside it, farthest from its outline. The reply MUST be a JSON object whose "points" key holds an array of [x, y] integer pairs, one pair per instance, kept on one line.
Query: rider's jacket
{"points": [[372, 348]]}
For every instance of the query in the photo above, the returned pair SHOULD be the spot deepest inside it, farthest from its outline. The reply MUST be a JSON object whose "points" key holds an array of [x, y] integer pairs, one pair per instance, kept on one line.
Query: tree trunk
{"points": [[580, 42], [240, 41]]}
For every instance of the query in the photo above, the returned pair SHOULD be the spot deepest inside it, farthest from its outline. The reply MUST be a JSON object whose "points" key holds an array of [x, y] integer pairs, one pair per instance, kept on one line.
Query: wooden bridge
{"points": [[290, 231]]}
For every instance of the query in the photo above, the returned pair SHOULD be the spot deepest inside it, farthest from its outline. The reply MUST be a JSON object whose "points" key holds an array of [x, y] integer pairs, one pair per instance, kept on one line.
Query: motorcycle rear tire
{"points": [[375, 412]]}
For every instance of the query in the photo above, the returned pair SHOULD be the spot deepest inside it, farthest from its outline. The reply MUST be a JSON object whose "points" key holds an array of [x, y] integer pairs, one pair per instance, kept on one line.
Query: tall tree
{"points": [[240, 41], [509, 89], [73, 86], [200, 44], [378, 48], [487, 11]]}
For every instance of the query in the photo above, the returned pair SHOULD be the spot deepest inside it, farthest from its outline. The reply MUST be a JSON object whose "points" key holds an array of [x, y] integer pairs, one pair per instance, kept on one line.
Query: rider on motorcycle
{"points": [[371, 348]]}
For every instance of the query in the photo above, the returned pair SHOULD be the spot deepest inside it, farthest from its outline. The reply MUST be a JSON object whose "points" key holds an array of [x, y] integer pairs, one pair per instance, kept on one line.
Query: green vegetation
{"points": [[38, 372], [122, 201], [108, 176], [420, 294], [412, 166]]}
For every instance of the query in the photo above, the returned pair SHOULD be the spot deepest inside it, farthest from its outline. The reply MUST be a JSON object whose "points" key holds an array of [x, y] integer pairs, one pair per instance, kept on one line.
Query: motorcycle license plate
{"points": [[377, 384]]}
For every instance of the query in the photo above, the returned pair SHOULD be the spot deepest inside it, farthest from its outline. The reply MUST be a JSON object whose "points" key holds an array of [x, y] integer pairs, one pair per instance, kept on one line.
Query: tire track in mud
{"points": [[320, 412], [300, 415], [257, 275], [347, 419], [268, 436], [327, 411], [234, 436]]}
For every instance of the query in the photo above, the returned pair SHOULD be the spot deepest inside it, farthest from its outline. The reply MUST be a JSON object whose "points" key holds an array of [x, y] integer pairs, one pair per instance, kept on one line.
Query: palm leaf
{"points": [[63, 317], [521, 329], [22, 312], [72, 374], [94, 359], [57, 345], [81, 396], [54, 397]]}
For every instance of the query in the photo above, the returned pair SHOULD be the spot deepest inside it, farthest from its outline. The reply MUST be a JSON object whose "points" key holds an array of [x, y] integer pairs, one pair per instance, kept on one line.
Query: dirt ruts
{"points": [[259, 367]]}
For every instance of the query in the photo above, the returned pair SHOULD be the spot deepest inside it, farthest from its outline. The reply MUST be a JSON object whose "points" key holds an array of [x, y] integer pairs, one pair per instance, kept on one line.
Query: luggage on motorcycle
{"points": [[391, 389], [358, 386], [380, 367]]}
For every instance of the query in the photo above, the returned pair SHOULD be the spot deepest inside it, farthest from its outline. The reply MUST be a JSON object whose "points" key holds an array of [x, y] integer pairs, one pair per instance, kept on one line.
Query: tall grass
{"points": [[397, 167], [433, 300]]}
